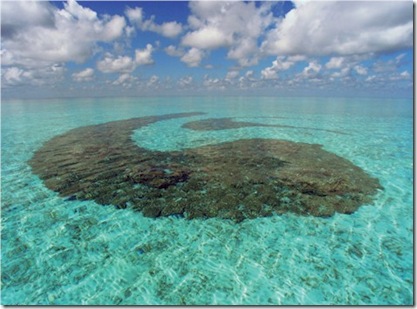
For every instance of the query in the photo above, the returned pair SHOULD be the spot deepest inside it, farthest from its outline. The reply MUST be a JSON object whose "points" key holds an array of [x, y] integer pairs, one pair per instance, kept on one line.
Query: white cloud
{"points": [[73, 8], [345, 66], [12, 76], [370, 78], [245, 52], [6, 57], [384, 80], [390, 65], [342, 73], [361, 70], [169, 29], [38, 34], [269, 73], [249, 75], [111, 64], [231, 75], [335, 63], [18, 15], [126, 64], [173, 51], [153, 81], [206, 38], [135, 15], [297, 58], [214, 83], [113, 29], [193, 57], [405, 74], [49, 75], [129, 31], [125, 80], [234, 25], [185, 81], [280, 64], [312, 70], [343, 28], [84, 75], [400, 76], [144, 56]]}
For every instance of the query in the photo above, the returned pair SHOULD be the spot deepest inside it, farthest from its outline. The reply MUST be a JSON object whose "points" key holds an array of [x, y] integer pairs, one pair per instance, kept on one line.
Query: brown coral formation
{"points": [[236, 180], [212, 124]]}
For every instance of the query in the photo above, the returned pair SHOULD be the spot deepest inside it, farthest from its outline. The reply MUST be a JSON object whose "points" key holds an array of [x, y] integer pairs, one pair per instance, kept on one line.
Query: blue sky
{"points": [[331, 48]]}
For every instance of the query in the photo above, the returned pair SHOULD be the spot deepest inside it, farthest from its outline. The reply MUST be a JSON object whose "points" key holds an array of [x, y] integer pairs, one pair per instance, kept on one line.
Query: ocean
{"points": [[66, 251]]}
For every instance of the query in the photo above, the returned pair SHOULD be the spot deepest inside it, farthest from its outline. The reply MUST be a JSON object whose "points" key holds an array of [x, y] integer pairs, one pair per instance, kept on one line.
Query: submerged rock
{"points": [[236, 180]]}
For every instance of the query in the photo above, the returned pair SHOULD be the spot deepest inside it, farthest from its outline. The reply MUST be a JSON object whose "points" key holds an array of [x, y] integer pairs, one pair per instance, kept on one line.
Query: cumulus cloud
{"points": [[405, 75], [400, 80], [185, 81], [153, 82], [214, 83], [126, 64], [173, 51], [231, 75], [335, 63], [249, 75], [280, 64], [347, 66], [234, 25], [390, 65], [193, 57], [16, 16], [129, 31], [311, 70], [135, 15], [361, 70], [342, 27], [269, 73], [344, 72], [37, 33], [144, 56], [15, 76], [84, 75], [112, 64], [340, 43], [206, 38], [169, 29], [124, 79]]}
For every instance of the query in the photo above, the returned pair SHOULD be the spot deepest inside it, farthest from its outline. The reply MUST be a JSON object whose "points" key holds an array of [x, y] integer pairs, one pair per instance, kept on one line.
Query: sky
{"points": [[141, 48]]}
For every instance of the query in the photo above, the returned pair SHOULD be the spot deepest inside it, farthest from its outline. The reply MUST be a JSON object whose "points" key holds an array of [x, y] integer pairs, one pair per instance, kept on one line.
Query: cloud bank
{"points": [[215, 45], [317, 28]]}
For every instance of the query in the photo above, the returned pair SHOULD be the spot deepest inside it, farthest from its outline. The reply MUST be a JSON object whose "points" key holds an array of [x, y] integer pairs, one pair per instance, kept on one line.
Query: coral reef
{"points": [[233, 180], [212, 124]]}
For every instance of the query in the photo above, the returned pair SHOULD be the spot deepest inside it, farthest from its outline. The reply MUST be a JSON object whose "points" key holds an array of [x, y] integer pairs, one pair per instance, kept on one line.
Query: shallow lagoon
{"points": [[72, 252]]}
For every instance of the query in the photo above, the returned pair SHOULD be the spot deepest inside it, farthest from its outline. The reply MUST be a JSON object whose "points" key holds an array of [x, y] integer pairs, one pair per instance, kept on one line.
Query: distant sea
{"points": [[64, 252]]}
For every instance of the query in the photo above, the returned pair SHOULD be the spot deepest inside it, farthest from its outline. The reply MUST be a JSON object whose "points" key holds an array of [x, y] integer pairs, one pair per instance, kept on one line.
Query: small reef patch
{"points": [[237, 180], [213, 124]]}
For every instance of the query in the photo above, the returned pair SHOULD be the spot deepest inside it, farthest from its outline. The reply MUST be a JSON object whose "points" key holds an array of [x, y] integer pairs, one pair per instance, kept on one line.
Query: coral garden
{"points": [[237, 180]]}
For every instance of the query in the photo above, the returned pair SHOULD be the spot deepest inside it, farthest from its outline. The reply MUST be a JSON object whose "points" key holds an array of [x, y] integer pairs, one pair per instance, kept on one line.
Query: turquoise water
{"points": [[71, 252]]}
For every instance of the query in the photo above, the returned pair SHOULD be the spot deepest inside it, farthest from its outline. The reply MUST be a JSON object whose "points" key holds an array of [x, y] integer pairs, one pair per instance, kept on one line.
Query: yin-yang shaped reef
{"points": [[238, 180]]}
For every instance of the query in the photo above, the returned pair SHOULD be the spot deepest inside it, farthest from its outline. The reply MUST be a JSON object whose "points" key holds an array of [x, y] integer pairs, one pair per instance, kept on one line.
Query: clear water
{"points": [[72, 252]]}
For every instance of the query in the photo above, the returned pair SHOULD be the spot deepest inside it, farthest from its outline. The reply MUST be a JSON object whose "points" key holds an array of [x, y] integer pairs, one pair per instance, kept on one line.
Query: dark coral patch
{"points": [[214, 124], [235, 180]]}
